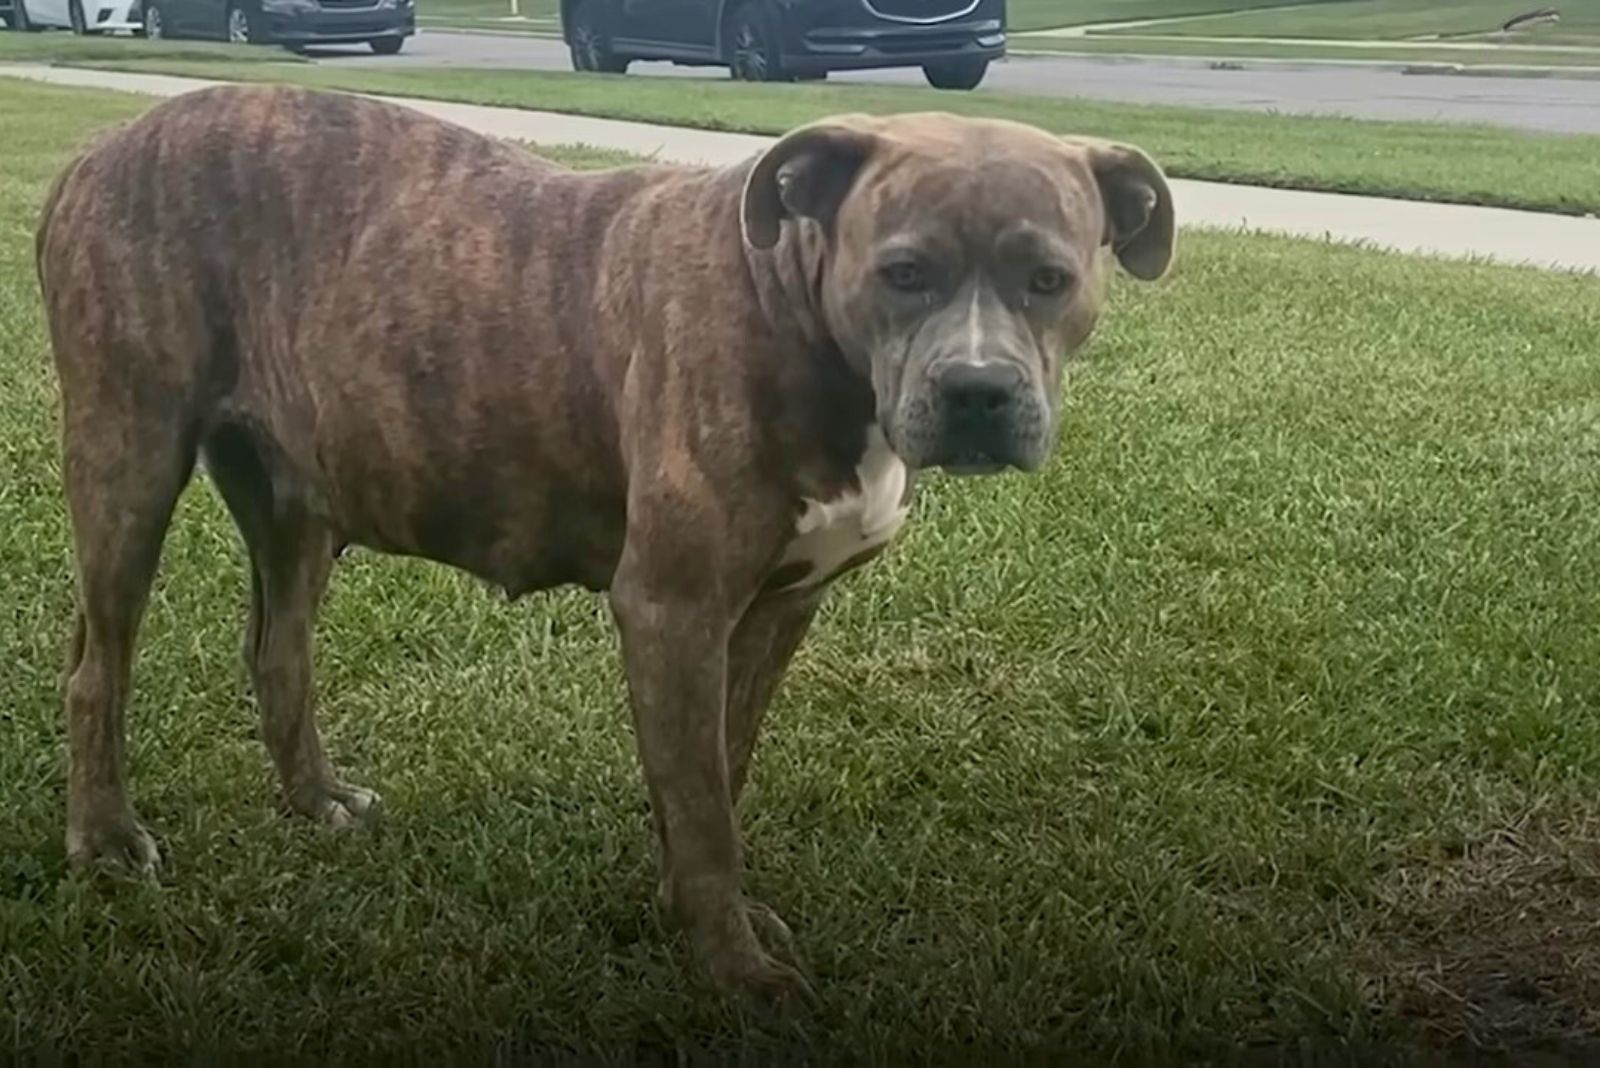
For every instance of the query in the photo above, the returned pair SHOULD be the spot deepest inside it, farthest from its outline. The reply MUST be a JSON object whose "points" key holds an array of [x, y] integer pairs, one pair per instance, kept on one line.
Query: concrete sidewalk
{"points": [[1448, 230]]}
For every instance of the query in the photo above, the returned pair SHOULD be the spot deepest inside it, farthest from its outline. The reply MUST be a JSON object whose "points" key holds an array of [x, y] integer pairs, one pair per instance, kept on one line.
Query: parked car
{"points": [[383, 25], [79, 16], [953, 41]]}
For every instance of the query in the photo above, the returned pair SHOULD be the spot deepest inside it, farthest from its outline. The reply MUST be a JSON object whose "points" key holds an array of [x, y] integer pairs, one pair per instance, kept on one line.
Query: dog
{"points": [[704, 391]]}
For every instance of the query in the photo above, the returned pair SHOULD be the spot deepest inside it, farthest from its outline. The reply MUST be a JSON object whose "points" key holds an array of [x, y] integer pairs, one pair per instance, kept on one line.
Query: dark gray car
{"points": [[953, 41]]}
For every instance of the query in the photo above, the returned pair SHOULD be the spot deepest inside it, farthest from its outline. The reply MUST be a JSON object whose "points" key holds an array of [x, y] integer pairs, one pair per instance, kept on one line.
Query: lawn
{"points": [[487, 24], [1421, 161], [58, 47], [490, 9], [1390, 19], [1262, 717], [1540, 61], [1047, 14]]}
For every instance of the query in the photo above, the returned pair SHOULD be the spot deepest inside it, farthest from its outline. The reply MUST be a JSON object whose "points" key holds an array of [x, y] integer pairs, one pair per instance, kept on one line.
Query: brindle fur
{"points": [[384, 330]]}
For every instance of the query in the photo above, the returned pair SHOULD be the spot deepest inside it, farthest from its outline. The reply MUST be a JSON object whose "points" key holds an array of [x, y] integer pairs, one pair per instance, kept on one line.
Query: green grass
{"points": [[1547, 60], [490, 9], [1421, 161], [60, 47], [490, 25], [1238, 725], [1390, 19], [1048, 14]]}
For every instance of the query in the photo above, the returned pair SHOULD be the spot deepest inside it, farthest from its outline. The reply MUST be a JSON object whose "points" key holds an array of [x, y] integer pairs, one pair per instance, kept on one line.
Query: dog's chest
{"points": [[833, 535]]}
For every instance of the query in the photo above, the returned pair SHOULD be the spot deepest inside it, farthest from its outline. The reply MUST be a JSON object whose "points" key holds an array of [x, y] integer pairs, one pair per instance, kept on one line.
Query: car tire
{"points": [[244, 25], [387, 46], [75, 19], [753, 51], [957, 74], [589, 40], [155, 21]]}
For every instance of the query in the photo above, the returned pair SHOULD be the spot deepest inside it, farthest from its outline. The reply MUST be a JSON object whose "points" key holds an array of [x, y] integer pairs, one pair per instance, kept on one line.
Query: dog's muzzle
{"points": [[987, 418]]}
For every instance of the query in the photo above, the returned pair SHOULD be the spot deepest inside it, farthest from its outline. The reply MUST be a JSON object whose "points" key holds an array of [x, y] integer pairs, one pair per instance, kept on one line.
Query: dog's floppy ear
{"points": [[1140, 224], [806, 174]]}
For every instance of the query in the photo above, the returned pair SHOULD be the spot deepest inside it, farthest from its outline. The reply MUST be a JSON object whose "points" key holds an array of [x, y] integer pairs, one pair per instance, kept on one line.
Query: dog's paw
{"points": [[765, 979], [338, 804], [117, 843], [765, 967]]}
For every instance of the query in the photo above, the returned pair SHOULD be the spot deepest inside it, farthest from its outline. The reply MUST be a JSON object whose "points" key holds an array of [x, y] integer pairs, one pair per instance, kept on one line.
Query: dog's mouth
{"points": [[974, 466], [986, 450], [969, 455], [930, 437]]}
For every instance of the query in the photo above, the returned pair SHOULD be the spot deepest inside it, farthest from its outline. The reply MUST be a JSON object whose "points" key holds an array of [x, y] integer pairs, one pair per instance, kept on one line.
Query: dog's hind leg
{"points": [[124, 468], [291, 555]]}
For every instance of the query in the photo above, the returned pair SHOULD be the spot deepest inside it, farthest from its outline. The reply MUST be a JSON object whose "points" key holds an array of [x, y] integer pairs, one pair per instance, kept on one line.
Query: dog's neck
{"points": [[788, 280], [788, 285]]}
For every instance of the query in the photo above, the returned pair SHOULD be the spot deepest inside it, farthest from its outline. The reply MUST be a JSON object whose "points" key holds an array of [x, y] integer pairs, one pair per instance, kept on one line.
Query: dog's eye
{"points": [[1049, 281], [905, 276]]}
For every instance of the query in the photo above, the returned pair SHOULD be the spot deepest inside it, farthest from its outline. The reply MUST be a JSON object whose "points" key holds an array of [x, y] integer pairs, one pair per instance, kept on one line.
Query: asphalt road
{"points": [[1558, 104]]}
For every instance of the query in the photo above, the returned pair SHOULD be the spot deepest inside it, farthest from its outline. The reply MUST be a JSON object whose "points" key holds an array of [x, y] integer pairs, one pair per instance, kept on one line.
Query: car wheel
{"points": [[242, 26], [80, 25], [387, 46], [753, 53], [956, 73], [589, 40]]}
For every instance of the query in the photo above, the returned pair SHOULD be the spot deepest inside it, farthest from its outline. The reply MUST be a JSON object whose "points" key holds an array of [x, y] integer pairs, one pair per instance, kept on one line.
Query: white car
{"points": [[79, 16]]}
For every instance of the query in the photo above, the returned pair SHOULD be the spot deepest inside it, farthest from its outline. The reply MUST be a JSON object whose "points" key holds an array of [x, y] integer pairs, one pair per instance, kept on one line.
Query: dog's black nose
{"points": [[977, 392]]}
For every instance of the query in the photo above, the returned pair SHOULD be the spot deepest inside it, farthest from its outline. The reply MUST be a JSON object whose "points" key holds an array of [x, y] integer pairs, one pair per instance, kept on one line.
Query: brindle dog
{"points": [[703, 390]]}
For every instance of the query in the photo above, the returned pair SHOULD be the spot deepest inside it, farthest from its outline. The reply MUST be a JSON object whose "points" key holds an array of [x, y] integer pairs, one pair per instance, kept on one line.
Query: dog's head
{"points": [[960, 261]]}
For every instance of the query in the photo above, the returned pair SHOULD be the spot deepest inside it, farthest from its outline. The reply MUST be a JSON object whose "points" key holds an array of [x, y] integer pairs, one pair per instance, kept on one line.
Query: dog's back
{"points": [[360, 301], [236, 210]]}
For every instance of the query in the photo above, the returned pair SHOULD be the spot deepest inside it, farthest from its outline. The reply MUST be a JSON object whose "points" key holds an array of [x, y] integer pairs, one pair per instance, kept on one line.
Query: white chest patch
{"points": [[829, 534]]}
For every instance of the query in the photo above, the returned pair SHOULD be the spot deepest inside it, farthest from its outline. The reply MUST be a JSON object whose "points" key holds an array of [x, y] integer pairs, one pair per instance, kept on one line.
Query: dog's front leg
{"points": [[675, 633]]}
